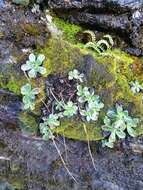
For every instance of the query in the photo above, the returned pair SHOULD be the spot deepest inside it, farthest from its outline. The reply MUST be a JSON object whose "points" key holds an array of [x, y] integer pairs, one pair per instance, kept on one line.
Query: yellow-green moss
{"points": [[69, 30], [39, 83], [120, 70], [74, 129], [17, 182], [1, 35]]}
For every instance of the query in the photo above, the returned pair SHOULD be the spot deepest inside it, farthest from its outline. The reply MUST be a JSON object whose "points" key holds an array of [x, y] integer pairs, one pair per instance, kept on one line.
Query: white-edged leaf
{"points": [[131, 131], [121, 134], [42, 70], [32, 73], [36, 91], [25, 67], [103, 42], [26, 89], [32, 57], [41, 58]]}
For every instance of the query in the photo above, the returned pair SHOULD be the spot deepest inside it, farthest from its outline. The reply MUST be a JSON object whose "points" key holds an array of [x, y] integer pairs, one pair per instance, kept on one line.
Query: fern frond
{"points": [[91, 33], [103, 42], [93, 46], [101, 45], [109, 37], [112, 55], [89, 45], [101, 49]]}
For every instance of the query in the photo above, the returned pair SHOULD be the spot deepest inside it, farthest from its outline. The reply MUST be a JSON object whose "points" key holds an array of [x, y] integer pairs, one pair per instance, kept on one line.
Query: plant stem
{"points": [[89, 149], [27, 77], [70, 174], [55, 97]]}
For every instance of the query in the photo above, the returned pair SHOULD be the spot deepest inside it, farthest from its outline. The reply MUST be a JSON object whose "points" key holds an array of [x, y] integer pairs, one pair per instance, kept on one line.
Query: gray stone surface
{"points": [[124, 18]]}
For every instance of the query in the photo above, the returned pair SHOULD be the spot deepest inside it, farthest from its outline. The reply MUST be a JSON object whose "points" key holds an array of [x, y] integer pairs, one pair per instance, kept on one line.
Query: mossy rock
{"points": [[117, 70], [11, 79], [61, 57], [69, 30], [110, 75]]}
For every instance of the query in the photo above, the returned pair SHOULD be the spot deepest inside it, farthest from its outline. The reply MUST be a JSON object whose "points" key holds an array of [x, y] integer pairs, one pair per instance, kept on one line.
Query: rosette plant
{"points": [[117, 122], [33, 65], [136, 87], [29, 95], [49, 122], [75, 74], [70, 109]]}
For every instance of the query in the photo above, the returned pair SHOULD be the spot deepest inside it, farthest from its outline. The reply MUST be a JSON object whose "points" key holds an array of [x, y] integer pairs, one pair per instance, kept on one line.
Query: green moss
{"points": [[11, 82], [69, 30], [110, 77], [28, 123], [139, 130], [117, 70], [31, 29], [18, 183], [61, 57], [75, 129]]}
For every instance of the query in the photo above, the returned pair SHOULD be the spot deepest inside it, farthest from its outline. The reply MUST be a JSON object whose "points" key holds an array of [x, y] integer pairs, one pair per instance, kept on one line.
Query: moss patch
{"points": [[11, 82], [117, 70], [74, 129], [69, 30], [31, 29], [110, 77], [28, 123], [61, 57]]}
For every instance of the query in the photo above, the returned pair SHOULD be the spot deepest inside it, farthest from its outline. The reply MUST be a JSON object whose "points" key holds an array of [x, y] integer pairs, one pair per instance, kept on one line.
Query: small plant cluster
{"points": [[136, 87], [92, 103], [88, 105], [116, 123], [101, 45], [31, 69]]}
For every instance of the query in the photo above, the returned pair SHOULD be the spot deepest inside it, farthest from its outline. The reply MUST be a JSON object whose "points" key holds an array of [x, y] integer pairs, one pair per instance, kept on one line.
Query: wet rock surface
{"points": [[33, 164], [121, 17], [30, 163], [10, 107]]}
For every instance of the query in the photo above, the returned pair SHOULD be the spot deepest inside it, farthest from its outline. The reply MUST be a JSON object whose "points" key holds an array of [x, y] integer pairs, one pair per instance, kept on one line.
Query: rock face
{"points": [[29, 163], [122, 17], [10, 107], [33, 164]]}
